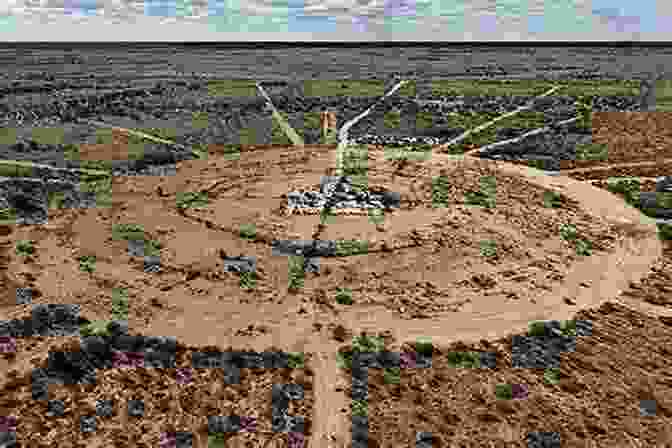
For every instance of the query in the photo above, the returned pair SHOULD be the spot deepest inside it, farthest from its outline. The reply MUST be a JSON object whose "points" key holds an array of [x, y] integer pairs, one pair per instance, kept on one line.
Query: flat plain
{"points": [[476, 251]]}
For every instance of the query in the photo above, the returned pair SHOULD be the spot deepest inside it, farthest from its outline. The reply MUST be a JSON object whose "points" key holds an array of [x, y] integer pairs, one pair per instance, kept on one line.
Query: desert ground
{"points": [[448, 284]]}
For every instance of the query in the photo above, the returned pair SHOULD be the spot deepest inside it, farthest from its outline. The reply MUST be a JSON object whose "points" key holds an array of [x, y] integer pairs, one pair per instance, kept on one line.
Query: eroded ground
{"points": [[463, 266], [476, 250]]}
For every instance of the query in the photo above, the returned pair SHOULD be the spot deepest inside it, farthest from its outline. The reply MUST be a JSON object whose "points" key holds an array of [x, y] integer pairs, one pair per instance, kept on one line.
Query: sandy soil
{"points": [[424, 276]]}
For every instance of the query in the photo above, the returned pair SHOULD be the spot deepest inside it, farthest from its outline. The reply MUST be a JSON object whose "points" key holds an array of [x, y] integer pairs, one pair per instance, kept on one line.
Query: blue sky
{"points": [[334, 20]]}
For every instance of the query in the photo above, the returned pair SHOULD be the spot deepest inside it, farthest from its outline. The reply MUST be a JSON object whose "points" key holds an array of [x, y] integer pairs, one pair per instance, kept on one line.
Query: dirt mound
{"points": [[476, 249]]}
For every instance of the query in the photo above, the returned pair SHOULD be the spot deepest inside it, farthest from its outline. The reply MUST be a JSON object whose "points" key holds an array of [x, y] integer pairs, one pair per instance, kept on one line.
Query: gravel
{"points": [[102, 351], [106, 351], [528, 352], [338, 192]]}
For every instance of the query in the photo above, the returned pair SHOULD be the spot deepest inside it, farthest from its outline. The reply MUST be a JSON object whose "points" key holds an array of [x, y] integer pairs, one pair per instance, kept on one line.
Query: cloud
{"points": [[346, 20]]}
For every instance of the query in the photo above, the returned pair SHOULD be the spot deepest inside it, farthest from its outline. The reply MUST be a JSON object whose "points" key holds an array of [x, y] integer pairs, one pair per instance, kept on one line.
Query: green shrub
{"points": [[488, 248], [440, 191], [665, 231], [192, 200], [152, 248], [536, 328], [392, 119], [344, 296], [392, 375], [344, 360], [568, 327], [424, 346], [376, 215], [120, 304], [504, 391], [128, 232], [551, 199], [367, 343], [583, 248], [464, 359], [345, 248], [552, 375], [360, 407], [296, 272], [25, 248], [8, 215], [592, 151], [295, 360], [247, 231], [87, 263], [95, 328], [216, 440], [248, 280], [568, 232]]}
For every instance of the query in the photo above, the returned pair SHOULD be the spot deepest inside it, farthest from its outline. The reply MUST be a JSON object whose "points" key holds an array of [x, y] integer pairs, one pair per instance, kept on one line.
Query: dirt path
{"points": [[608, 275], [588, 284], [195, 302]]}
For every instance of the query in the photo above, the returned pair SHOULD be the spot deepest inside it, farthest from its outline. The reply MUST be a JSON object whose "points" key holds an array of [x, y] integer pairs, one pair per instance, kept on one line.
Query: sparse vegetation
{"points": [[25, 248], [326, 215], [377, 215], [440, 191], [200, 151], [360, 407], [56, 200], [95, 328], [464, 360], [344, 296], [367, 343], [295, 360], [486, 196], [232, 88], [424, 347], [583, 248], [538, 328], [128, 232], [503, 391], [120, 304], [152, 248], [348, 87], [278, 135], [552, 376], [216, 440], [592, 151], [191, 200], [424, 120], [8, 215], [248, 280], [392, 119], [87, 263], [488, 248], [296, 272], [568, 232], [15, 170], [552, 199], [247, 231], [392, 375], [355, 160], [346, 248], [665, 231]]}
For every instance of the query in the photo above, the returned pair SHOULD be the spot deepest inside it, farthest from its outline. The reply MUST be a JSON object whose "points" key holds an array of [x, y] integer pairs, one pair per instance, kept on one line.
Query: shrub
{"points": [[360, 407], [25, 248], [392, 375], [344, 296], [464, 359], [87, 263]]}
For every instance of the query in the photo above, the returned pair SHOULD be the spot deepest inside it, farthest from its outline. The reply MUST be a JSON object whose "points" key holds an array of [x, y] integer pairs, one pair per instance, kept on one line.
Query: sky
{"points": [[335, 20]]}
